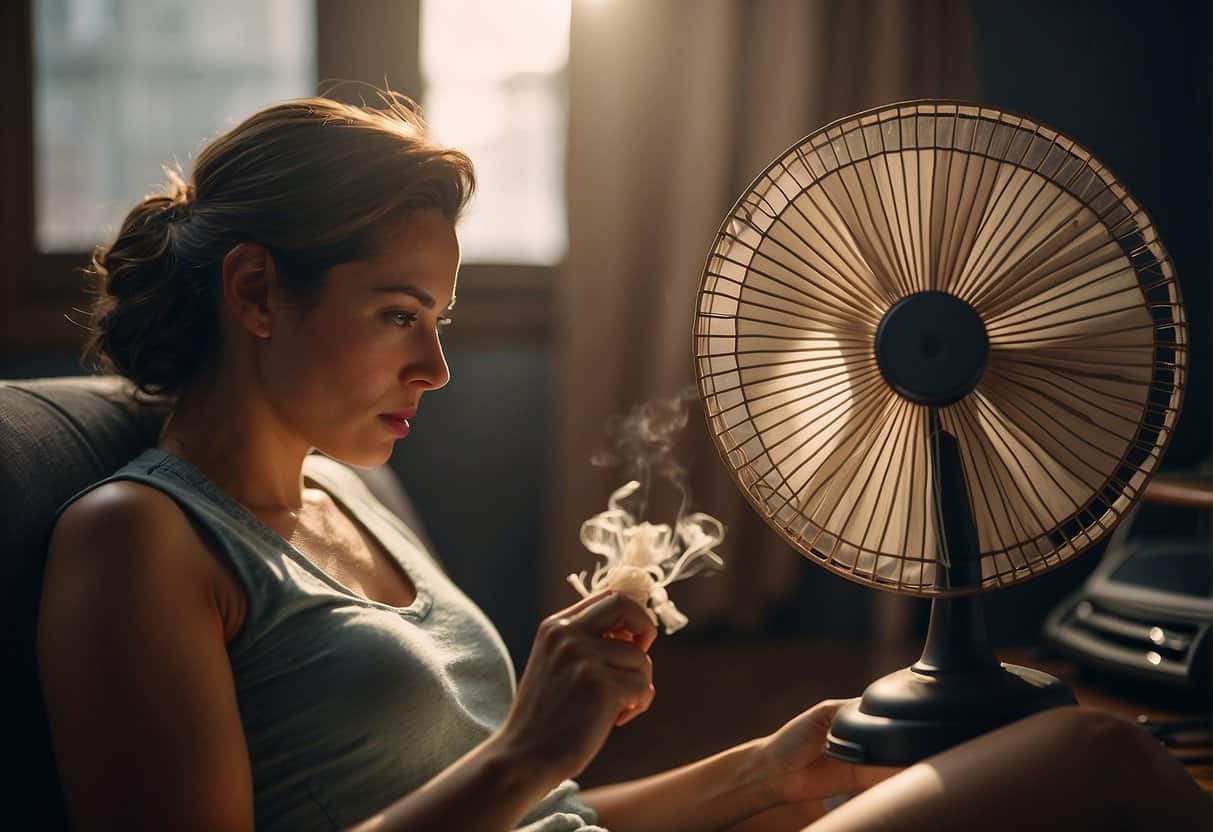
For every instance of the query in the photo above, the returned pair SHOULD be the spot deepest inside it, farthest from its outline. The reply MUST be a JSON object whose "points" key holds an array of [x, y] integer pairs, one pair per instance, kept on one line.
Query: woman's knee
{"points": [[1095, 732], [1106, 750], [1106, 729], [1138, 777]]}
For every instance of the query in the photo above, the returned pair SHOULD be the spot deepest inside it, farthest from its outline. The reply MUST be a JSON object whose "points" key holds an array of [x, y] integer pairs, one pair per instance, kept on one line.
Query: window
{"points": [[122, 87], [494, 86], [101, 93]]}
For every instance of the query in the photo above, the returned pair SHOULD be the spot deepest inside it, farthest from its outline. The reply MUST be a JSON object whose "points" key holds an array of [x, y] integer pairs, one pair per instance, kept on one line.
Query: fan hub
{"points": [[932, 348]]}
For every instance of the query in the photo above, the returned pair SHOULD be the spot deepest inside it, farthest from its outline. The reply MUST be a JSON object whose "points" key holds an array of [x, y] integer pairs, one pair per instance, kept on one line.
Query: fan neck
{"points": [[959, 560], [956, 638]]}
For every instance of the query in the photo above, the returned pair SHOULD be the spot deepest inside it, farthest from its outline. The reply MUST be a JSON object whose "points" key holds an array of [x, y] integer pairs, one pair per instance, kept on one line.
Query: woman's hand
{"points": [[797, 769], [579, 683]]}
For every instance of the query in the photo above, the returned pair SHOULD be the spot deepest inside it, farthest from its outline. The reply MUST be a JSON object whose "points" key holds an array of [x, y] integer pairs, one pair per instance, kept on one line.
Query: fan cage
{"points": [[836, 314]]}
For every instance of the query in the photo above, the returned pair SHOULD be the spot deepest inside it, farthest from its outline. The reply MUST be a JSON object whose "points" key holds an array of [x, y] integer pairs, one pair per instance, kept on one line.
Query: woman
{"points": [[234, 634]]}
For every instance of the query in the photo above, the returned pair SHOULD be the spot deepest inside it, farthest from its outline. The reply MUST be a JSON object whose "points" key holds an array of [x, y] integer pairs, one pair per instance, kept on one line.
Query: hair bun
{"points": [[147, 322], [178, 193]]}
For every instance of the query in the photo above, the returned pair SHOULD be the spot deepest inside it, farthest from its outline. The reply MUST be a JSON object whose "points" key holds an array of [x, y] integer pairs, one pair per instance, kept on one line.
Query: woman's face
{"points": [[345, 374]]}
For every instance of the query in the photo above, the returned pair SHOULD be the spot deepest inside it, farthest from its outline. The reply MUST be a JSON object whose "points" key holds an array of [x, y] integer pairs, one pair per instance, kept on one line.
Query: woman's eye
{"points": [[405, 319]]}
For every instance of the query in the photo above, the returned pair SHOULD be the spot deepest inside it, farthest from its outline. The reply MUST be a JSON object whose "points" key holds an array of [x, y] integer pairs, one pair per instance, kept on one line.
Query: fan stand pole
{"points": [[958, 689], [956, 636]]}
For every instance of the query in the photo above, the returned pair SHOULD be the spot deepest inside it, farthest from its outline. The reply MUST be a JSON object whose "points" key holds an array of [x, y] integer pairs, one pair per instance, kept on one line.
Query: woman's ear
{"points": [[249, 277]]}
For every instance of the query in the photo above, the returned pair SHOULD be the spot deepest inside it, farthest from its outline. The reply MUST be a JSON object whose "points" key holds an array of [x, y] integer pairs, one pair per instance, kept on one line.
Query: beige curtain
{"points": [[675, 106]]}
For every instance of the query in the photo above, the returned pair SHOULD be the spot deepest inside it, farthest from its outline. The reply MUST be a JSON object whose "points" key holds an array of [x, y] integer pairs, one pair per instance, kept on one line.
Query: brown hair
{"points": [[313, 180]]}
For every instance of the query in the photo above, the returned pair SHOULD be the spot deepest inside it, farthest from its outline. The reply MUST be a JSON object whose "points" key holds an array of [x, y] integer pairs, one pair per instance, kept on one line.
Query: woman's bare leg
{"points": [[1067, 768]]}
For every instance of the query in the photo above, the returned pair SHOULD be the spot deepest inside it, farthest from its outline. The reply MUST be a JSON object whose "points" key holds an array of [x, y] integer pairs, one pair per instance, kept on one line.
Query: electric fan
{"points": [[940, 350]]}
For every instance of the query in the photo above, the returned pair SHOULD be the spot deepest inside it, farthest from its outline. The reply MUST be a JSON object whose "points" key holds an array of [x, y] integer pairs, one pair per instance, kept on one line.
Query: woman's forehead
{"points": [[419, 229], [419, 257]]}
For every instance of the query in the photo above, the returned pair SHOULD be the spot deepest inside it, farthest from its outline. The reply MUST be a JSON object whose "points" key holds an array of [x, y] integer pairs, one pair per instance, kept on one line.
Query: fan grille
{"points": [[1087, 341]]}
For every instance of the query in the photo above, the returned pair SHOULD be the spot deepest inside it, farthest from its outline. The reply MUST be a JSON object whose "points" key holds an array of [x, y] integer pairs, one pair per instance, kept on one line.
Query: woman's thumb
{"points": [[823, 712]]}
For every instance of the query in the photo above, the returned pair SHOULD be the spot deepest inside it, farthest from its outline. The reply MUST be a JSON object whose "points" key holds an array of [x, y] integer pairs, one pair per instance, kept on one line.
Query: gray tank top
{"points": [[348, 704]]}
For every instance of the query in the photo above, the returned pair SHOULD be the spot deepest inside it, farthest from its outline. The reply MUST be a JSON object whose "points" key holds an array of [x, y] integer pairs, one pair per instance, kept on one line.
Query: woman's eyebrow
{"points": [[427, 300]]}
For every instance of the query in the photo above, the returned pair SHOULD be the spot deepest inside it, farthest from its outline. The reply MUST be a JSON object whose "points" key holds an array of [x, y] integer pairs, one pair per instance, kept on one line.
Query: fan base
{"points": [[913, 713]]}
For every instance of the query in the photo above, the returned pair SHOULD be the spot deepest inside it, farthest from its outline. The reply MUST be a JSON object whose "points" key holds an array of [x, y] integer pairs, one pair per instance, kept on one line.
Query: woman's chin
{"points": [[363, 456]]}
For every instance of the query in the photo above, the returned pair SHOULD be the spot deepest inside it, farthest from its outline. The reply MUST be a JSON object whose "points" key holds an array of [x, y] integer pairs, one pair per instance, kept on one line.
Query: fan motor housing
{"points": [[932, 348]]}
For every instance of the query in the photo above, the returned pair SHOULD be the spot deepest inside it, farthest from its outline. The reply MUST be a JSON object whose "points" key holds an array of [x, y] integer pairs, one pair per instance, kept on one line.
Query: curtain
{"points": [[675, 106]]}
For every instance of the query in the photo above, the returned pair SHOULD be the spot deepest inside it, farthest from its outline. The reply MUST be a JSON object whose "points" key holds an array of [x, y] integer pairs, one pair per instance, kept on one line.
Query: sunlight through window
{"points": [[495, 88]]}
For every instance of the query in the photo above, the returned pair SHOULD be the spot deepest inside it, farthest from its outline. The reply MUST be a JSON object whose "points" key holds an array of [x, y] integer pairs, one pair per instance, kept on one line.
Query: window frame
{"points": [[38, 290]]}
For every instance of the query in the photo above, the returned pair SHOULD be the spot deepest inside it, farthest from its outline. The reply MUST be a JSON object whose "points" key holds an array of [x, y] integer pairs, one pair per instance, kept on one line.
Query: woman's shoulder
{"points": [[120, 511], [125, 534], [124, 495]]}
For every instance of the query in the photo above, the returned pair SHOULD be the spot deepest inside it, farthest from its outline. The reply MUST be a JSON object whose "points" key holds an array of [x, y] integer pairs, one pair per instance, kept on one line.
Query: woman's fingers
{"points": [[828, 707], [822, 714], [578, 682], [621, 655], [610, 611], [632, 711], [645, 640], [616, 611], [620, 613], [587, 601], [807, 725], [613, 632], [635, 683]]}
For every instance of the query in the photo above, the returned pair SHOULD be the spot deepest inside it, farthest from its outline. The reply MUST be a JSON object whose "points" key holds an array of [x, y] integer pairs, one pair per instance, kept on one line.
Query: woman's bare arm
{"points": [[487, 790], [135, 673], [771, 783]]}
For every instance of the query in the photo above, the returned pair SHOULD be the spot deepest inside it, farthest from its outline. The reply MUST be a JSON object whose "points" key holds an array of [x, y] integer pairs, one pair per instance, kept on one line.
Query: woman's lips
{"points": [[397, 424]]}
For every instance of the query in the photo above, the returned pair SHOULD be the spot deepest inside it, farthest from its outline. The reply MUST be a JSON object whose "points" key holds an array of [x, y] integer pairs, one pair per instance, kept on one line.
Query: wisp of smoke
{"points": [[638, 558], [642, 444]]}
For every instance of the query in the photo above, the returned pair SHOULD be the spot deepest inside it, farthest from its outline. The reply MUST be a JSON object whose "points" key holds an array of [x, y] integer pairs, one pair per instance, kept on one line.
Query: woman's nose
{"points": [[430, 369], [442, 373]]}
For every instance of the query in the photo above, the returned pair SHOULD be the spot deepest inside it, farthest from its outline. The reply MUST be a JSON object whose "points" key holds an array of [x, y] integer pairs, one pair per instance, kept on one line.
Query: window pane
{"points": [[123, 87], [495, 88]]}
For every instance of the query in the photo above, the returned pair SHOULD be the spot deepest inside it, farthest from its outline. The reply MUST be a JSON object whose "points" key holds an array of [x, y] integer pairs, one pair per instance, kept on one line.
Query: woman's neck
{"points": [[229, 432]]}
